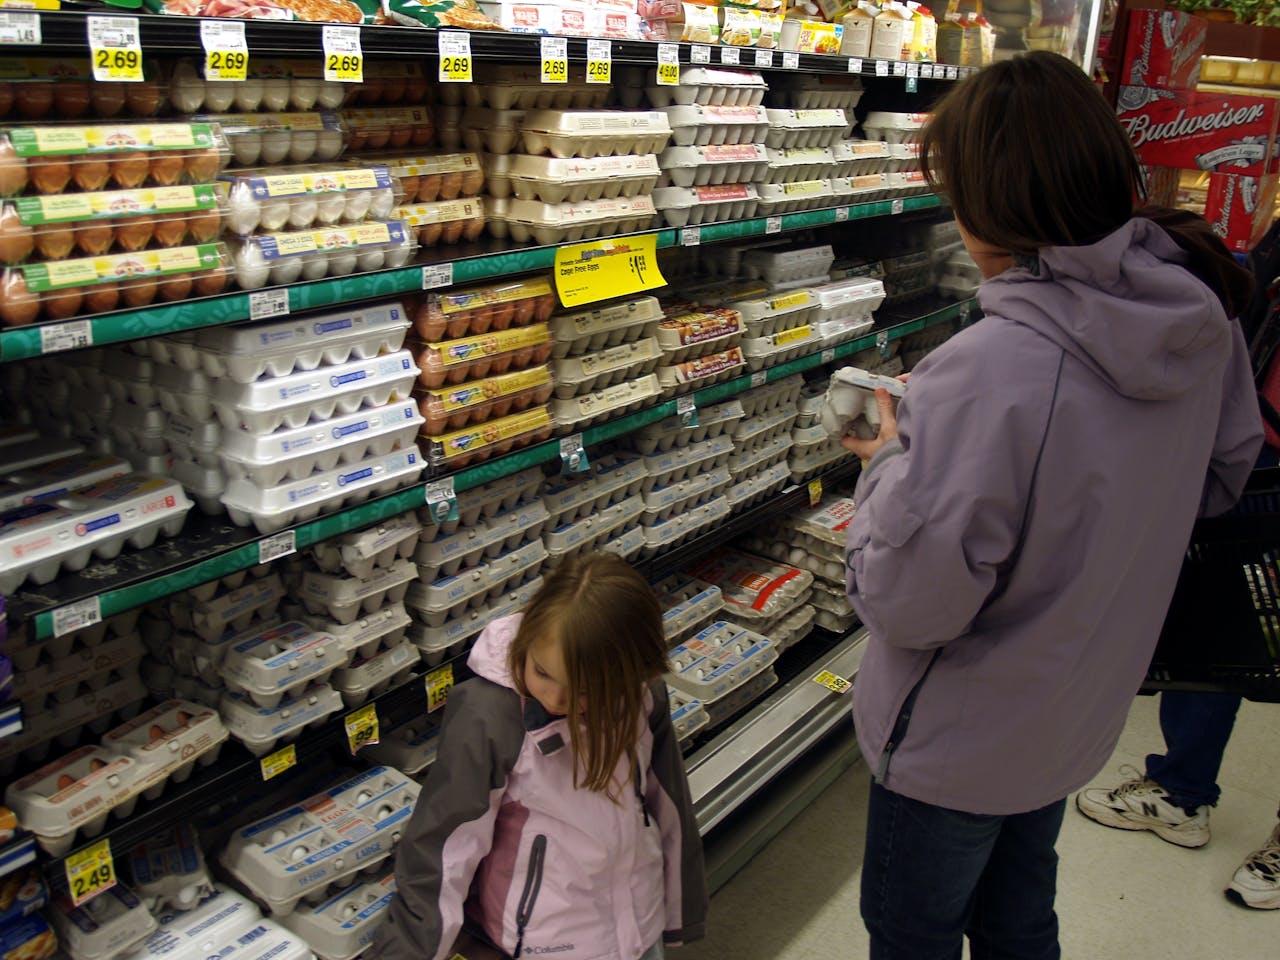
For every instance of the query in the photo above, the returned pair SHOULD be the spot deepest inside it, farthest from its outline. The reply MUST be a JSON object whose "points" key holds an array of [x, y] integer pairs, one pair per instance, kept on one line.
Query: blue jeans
{"points": [[654, 952], [932, 876], [1196, 728]]}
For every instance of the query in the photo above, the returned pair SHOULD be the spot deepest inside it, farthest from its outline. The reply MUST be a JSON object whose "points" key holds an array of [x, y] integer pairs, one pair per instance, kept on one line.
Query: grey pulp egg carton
{"points": [[861, 189], [367, 677], [182, 393], [755, 589], [343, 926], [817, 92], [759, 457], [688, 715], [457, 632], [299, 851], [193, 440], [908, 183], [49, 721], [717, 660], [445, 556], [777, 311], [273, 663], [680, 206], [833, 622], [700, 372], [25, 653], [603, 133], [83, 662], [794, 164], [359, 553], [221, 917], [700, 125], [672, 432], [665, 467], [611, 479], [485, 501], [904, 157], [661, 503], [139, 428], [779, 265], [532, 94], [167, 742], [686, 603], [168, 870], [683, 527], [806, 128], [812, 399], [261, 728], [197, 691], [588, 331], [807, 440], [754, 431], [595, 371], [805, 468], [410, 748], [485, 130], [567, 222], [758, 487], [591, 532], [856, 158], [432, 603], [344, 598], [741, 697], [130, 378], [575, 180], [589, 408], [713, 165], [776, 348], [894, 127], [628, 544], [108, 926], [364, 636], [779, 198], [233, 610], [711, 86]]}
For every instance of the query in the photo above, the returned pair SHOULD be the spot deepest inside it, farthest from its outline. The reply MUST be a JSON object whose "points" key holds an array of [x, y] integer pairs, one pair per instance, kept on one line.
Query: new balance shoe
{"points": [[1257, 882], [1142, 804]]}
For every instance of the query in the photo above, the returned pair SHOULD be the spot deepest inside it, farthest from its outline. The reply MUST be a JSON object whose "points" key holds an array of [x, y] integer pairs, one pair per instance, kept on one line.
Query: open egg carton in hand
{"points": [[463, 624], [477, 401], [515, 86], [683, 527], [550, 223], [711, 86], [344, 598], [557, 180], [592, 532], [712, 421], [359, 553], [806, 128], [808, 91], [850, 405], [748, 490], [600, 328], [343, 926], [688, 605], [475, 311], [427, 179], [338, 251], [680, 206], [328, 838], [756, 591], [274, 663], [168, 870], [109, 925], [797, 164], [444, 555], [433, 603], [717, 660], [700, 166], [410, 747], [302, 198], [261, 728]]}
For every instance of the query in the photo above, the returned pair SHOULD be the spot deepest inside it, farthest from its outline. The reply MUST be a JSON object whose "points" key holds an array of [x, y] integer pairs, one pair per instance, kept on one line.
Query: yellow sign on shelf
{"points": [[815, 492], [832, 682], [362, 727], [439, 683], [90, 871], [277, 763], [604, 269]]}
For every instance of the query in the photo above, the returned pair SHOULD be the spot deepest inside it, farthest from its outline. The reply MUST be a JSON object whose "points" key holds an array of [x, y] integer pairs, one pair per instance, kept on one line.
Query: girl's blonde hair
{"points": [[609, 625]]}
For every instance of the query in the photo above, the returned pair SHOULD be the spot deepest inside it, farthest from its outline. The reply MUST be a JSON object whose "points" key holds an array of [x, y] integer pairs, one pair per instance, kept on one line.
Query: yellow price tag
{"points": [[226, 65], [832, 682], [115, 49], [599, 61], [226, 54], [439, 682], [362, 727], [555, 60], [277, 763], [90, 871], [455, 56], [343, 57], [668, 64], [815, 492], [604, 269]]}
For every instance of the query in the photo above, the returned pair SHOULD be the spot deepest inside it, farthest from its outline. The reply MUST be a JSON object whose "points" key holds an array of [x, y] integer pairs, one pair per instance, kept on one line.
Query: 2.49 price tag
{"points": [[455, 56], [343, 56], [90, 872], [226, 54], [115, 49]]}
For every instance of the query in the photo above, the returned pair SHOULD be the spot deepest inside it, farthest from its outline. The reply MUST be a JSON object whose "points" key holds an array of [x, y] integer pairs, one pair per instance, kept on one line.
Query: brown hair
{"points": [[1029, 155], [609, 625]]}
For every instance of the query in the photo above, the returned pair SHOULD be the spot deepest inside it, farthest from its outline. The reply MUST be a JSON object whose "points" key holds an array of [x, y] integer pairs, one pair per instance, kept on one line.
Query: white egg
{"points": [[275, 94], [275, 146], [219, 96], [358, 202], [302, 211], [349, 911], [298, 853], [398, 256], [329, 207], [303, 146], [246, 147], [243, 213], [186, 89], [286, 270], [330, 145], [796, 557], [384, 200], [248, 95], [363, 797], [315, 266], [274, 213], [304, 91], [331, 95], [342, 263], [251, 267], [372, 260], [278, 836]]}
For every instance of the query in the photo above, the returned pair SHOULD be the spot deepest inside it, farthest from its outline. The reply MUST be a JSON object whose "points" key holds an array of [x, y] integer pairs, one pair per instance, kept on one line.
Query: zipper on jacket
{"points": [[529, 896], [901, 724], [644, 807]]}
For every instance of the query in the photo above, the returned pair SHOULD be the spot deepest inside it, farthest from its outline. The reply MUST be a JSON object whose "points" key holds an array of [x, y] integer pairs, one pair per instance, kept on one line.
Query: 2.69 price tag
{"points": [[226, 54], [599, 61], [555, 60], [115, 49], [90, 872], [343, 56], [455, 56]]}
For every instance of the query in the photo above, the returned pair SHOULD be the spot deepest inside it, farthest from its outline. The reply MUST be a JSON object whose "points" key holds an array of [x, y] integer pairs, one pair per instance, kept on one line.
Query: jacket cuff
{"points": [[866, 481]]}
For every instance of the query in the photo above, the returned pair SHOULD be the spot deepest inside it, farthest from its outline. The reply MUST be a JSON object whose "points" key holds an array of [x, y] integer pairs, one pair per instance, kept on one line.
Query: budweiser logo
{"points": [[1222, 224], [1138, 73], [1143, 130]]}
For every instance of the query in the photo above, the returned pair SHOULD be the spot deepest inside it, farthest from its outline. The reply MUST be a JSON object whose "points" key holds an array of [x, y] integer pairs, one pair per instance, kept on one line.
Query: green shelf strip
{"points": [[23, 343]]}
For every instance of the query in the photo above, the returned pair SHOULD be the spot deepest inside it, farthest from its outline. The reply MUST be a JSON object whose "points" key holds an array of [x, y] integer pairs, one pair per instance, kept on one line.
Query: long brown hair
{"points": [[609, 626], [1029, 155]]}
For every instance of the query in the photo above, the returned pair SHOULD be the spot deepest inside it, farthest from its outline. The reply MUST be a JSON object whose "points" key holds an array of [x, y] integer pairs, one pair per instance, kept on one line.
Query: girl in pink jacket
{"points": [[556, 819]]}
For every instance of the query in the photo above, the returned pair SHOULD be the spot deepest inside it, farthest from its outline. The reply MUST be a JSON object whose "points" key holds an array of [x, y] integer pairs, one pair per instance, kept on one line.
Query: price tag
{"points": [[268, 303], [899, 68], [951, 73], [437, 275], [687, 410], [362, 727], [913, 70], [882, 68], [897, 206], [573, 455], [90, 871], [690, 236], [555, 60], [842, 214], [226, 53], [882, 344], [66, 336], [760, 378], [442, 500], [455, 56], [773, 225], [815, 492], [913, 84], [277, 763], [115, 48], [730, 55], [343, 58], [855, 64], [791, 61], [833, 682], [278, 545], [438, 684], [699, 53], [764, 58], [926, 71], [604, 269], [20, 28], [599, 61], [77, 616], [829, 355], [668, 64]]}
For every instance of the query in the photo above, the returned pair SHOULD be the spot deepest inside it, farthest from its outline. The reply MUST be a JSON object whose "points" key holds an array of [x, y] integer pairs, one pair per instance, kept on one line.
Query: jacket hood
{"points": [[488, 657], [1127, 306]]}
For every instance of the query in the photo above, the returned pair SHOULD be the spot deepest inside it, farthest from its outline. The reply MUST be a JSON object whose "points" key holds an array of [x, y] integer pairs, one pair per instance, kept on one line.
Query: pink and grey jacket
{"points": [[502, 841]]}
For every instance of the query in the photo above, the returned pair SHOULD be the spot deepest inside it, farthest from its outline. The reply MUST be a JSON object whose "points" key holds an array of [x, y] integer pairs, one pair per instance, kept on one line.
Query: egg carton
{"points": [[452, 637], [167, 742], [755, 589], [572, 180], [683, 527], [299, 199], [261, 728], [894, 127], [486, 501], [130, 379], [74, 794], [25, 652], [211, 618], [831, 597], [862, 189], [551, 223], [760, 457], [444, 221], [57, 477], [661, 503], [775, 421], [271, 138], [758, 487], [105, 927], [686, 603], [777, 312], [586, 134], [390, 127], [717, 659], [701, 125], [369, 676], [627, 544], [327, 838], [80, 663], [711, 86], [687, 336], [848, 299], [432, 603], [485, 539], [591, 532], [219, 919], [364, 637], [611, 325], [197, 441], [476, 357], [611, 479], [843, 329], [825, 571], [856, 158], [797, 164], [409, 748], [742, 697], [39, 540], [805, 468], [688, 715], [274, 663], [665, 467], [908, 183], [529, 93], [272, 508], [713, 165], [590, 408], [806, 128], [818, 92], [168, 870], [785, 266], [904, 157], [343, 926], [288, 257], [794, 627], [286, 85], [833, 623], [779, 198], [359, 553], [768, 351], [454, 451], [591, 372], [478, 401], [672, 432], [456, 314], [62, 721], [484, 130], [440, 177], [680, 206], [344, 598]]}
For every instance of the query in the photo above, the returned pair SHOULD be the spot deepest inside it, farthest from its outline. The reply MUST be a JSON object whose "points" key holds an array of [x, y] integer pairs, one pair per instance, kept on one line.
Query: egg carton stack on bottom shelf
{"points": [[724, 667], [761, 441], [769, 598], [700, 347], [688, 607]]}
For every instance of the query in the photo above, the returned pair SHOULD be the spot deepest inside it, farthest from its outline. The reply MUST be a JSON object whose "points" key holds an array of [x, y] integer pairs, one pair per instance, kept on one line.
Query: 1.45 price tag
{"points": [[439, 683], [115, 48], [599, 61], [226, 53], [555, 60], [668, 64], [343, 56], [20, 28], [90, 871], [362, 727], [455, 56]]}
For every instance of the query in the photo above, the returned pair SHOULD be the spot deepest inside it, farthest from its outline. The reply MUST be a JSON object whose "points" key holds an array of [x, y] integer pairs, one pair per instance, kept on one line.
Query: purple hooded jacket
{"points": [[1015, 551]]}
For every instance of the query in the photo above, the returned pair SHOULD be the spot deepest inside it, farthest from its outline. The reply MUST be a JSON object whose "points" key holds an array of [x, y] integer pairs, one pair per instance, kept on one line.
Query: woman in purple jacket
{"points": [[1022, 521]]}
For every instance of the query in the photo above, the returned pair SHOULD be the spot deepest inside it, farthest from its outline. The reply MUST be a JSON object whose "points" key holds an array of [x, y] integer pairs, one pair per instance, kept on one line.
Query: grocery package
{"points": [[102, 928], [567, 222], [894, 128], [688, 605], [28, 937], [337, 251], [688, 715], [554, 180], [341, 927], [387, 128], [270, 85], [261, 728], [300, 197], [700, 125], [699, 348], [756, 591], [717, 660], [343, 598], [360, 552], [445, 176], [272, 663], [168, 870], [851, 405], [270, 138], [445, 221]]}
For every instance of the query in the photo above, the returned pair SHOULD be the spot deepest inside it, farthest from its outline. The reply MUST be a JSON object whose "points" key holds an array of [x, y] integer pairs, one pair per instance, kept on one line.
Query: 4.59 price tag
{"points": [[115, 49], [343, 56], [226, 54], [90, 871], [668, 64]]}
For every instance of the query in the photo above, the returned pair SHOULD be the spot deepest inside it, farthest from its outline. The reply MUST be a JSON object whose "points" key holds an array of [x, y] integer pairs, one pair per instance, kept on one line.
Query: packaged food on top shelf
{"points": [[463, 623], [496, 437], [387, 128], [103, 928], [455, 314], [518, 86], [282, 258], [711, 86], [564, 133], [261, 728], [719, 659], [612, 20], [446, 221], [274, 198], [360, 552], [270, 138], [605, 326], [700, 166], [549, 223], [680, 206], [477, 401], [271, 85], [794, 164], [807, 91], [556, 180], [342, 926], [698, 125], [426, 179], [168, 869], [894, 127], [855, 158]]}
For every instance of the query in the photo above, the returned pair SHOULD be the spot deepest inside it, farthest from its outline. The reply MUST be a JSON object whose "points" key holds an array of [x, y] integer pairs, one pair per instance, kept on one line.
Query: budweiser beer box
{"points": [[1222, 133], [1240, 209], [1162, 185], [1163, 49]]}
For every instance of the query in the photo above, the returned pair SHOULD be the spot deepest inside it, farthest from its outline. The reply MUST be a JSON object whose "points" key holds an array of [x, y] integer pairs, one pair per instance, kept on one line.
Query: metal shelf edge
{"points": [[10, 720]]}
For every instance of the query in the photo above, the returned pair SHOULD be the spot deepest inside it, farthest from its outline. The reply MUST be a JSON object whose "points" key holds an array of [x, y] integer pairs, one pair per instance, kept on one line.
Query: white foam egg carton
{"points": [[591, 532], [603, 133], [130, 378], [575, 376], [717, 659], [758, 486], [589, 331], [686, 336], [167, 742], [819, 92], [711, 86], [796, 164], [81, 663], [681, 206], [39, 540], [661, 503], [266, 405], [783, 266], [182, 393], [700, 372], [273, 663], [844, 328], [203, 929], [713, 165], [139, 430], [369, 676], [205, 485], [778, 198], [345, 598], [107, 926], [74, 793], [445, 556], [234, 610], [197, 441], [360, 552], [168, 870], [688, 715], [550, 223], [612, 478], [756, 590], [472, 586], [452, 637], [582, 411], [327, 838], [755, 431], [806, 128], [894, 127], [768, 351], [760, 457], [486, 501], [272, 508], [56, 477], [668, 534], [700, 125], [664, 467], [627, 544], [409, 748], [261, 728], [741, 697], [686, 603], [575, 180], [857, 158], [343, 926], [673, 432], [363, 637]]}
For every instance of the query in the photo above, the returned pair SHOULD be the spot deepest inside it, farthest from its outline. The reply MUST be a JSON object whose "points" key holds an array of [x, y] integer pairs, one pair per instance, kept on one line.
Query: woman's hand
{"points": [[866, 449]]}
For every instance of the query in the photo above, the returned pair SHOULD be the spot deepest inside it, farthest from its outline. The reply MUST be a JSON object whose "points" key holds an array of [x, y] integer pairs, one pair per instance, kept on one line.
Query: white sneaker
{"points": [[1257, 882], [1142, 804]]}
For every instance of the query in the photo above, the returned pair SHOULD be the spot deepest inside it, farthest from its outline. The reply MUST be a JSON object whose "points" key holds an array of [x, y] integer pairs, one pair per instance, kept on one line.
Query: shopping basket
{"points": [[1222, 632]]}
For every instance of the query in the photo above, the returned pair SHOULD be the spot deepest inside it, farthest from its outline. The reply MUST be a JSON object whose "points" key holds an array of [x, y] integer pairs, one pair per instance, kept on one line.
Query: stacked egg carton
{"points": [[168, 871], [442, 195], [901, 131], [770, 599], [483, 381], [761, 442], [410, 747], [841, 310], [601, 509], [604, 360], [688, 607], [700, 346], [724, 667], [782, 323], [484, 564]]}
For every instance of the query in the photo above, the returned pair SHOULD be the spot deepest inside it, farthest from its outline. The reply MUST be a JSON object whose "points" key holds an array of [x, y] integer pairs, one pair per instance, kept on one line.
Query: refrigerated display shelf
{"points": [[467, 264]]}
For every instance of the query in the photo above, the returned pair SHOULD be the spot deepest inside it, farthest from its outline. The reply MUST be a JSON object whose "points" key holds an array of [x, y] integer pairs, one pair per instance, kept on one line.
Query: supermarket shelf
{"points": [[469, 263], [1242, 40], [10, 720], [17, 853]]}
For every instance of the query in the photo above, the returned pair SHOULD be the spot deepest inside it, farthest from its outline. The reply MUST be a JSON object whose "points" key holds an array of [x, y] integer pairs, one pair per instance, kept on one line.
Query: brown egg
{"points": [[101, 298], [429, 190], [472, 229], [60, 304], [472, 181], [410, 187], [16, 239], [34, 100], [91, 173], [143, 99], [107, 98], [171, 229], [50, 174], [415, 90], [523, 311], [139, 293], [501, 407], [95, 236], [56, 241], [422, 134], [211, 282], [176, 287], [358, 141], [546, 306], [128, 170], [400, 137], [134, 234], [65, 780], [18, 305], [378, 137], [6, 99], [452, 232], [372, 91], [204, 166], [542, 353], [503, 314], [429, 234], [204, 226], [71, 98], [450, 186], [166, 169]]}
